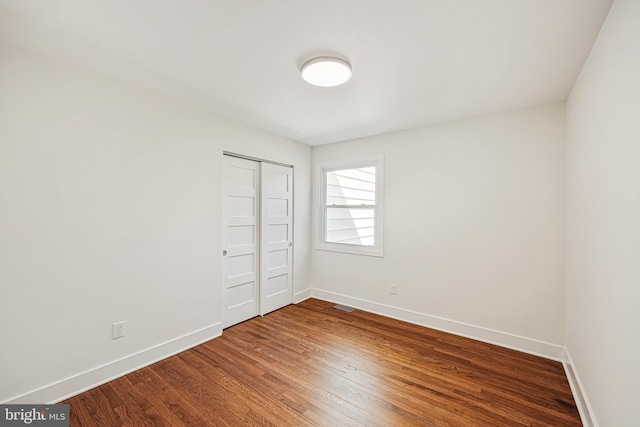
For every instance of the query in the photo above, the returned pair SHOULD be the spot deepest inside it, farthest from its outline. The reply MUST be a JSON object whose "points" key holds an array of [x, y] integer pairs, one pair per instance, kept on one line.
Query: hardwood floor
{"points": [[312, 365]]}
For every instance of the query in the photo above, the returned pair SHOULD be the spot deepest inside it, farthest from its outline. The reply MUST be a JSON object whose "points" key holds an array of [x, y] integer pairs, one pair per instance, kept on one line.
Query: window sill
{"points": [[351, 249]]}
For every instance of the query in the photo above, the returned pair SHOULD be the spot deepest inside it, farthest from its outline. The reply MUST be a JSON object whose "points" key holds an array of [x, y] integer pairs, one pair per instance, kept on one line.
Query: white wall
{"points": [[603, 220], [473, 229], [110, 209]]}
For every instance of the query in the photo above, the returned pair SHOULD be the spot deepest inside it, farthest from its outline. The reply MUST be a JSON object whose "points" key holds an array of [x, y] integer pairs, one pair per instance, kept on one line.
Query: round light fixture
{"points": [[326, 71]]}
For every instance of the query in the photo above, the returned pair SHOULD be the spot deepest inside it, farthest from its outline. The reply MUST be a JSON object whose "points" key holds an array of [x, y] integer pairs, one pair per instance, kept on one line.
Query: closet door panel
{"points": [[276, 244], [241, 246]]}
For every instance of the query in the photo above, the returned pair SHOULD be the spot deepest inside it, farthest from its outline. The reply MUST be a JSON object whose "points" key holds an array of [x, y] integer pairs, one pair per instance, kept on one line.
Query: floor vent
{"points": [[343, 308]]}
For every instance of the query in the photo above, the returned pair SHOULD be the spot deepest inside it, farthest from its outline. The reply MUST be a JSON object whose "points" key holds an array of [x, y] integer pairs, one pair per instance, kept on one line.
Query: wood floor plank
{"points": [[311, 365]]}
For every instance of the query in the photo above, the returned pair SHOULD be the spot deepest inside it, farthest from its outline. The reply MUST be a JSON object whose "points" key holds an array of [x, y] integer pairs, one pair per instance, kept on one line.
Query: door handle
{"points": [[224, 253], [290, 244]]}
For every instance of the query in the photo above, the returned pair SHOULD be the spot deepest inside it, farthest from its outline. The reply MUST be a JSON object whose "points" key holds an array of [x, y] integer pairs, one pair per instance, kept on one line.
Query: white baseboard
{"points": [[94, 377], [579, 395], [503, 339], [298, 297]]}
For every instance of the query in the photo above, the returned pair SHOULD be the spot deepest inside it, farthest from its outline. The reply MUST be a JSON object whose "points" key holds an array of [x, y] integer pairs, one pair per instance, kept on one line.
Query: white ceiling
{"points": [[415, 62]]}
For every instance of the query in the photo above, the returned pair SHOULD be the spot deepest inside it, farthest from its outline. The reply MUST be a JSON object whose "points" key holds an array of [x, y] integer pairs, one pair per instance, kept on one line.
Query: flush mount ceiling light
{"points": [[326, 71]]}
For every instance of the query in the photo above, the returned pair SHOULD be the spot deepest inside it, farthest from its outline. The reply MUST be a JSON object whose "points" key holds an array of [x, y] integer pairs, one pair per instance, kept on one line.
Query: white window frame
{"points": [[322, 168]]}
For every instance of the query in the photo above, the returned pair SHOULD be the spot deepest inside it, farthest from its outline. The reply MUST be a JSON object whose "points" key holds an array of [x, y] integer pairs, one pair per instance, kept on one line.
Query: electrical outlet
{"points": [[393, 289], [117, 330]]}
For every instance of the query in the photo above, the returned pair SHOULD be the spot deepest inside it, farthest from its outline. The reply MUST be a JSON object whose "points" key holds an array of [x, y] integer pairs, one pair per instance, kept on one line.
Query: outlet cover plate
{"points": [[117, 330]]}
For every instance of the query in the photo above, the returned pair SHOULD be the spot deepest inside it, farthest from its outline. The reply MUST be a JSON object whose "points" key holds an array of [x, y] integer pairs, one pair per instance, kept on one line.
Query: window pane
{"points": [[350, 226], [351, 186]]}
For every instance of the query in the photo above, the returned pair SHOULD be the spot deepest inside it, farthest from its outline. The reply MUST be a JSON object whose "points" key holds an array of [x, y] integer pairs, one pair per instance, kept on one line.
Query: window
{"points": [[350, 206]]}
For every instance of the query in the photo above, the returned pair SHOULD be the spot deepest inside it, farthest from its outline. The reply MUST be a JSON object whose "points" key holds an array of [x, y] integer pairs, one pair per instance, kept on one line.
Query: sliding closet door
{"points": [[276, 239], [240, 240]]}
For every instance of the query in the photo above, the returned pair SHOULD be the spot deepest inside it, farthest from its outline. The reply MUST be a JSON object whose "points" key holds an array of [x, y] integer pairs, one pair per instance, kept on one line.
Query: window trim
{"points": [[322, 168]]}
